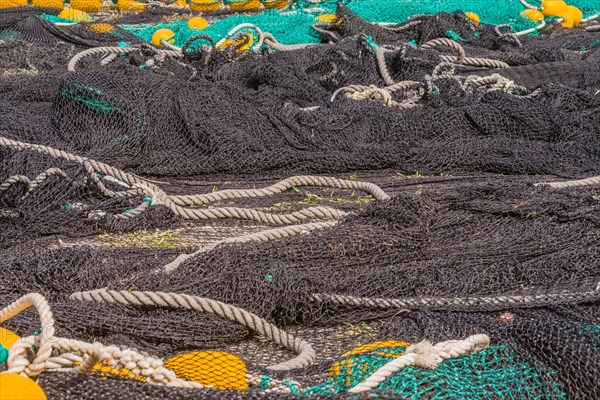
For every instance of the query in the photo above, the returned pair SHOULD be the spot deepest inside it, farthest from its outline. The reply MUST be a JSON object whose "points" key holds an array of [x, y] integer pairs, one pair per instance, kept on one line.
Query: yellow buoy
{"points": [[13, 3], [576, 13], [100, 28], [86, 5], [327, 18], [48, 3], [178, 4], [210, 368], [552, 8], [8, 338], [567, 20], [131, 5], [242, 44], [75, 16], [205, 5], [197, 23], [473, 17], [244, 5], [163, 34], [275, 4], [534, 15], [18, 387]]}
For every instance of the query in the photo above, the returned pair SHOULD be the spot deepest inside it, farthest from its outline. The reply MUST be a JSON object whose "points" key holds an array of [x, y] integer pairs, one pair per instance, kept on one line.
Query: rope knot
{"points": [[372, 92], [425, 354]]}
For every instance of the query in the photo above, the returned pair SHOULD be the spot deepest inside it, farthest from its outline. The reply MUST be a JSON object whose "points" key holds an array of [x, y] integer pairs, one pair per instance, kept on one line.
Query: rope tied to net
{"points": [[306, 353], [173, 202], [424, 355], [471, 303], [44, 344], [505, 32], [115, 51], [372, 92], [594, 180]]}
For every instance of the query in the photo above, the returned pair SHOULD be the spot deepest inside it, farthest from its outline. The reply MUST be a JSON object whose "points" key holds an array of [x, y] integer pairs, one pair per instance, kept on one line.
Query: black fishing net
{"points": [[113, 168]]}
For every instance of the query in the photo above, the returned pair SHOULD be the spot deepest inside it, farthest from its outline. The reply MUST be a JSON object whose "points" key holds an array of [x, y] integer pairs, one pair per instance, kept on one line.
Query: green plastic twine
{"points": [[3, 354]]}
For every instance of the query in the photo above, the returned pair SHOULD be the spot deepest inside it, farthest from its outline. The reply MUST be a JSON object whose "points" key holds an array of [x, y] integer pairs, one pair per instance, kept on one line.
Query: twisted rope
{"points": [[116, 51], [273, 43], [595, 180], [382, 66], [463, 303], [171, 202], [461, 58], [424, 355], [531, 30], [306, 354], [527, 5], [372, 92], [263, 236], [280, 187], [21, 365], [445, 42], [508, 34], [72, 351]]}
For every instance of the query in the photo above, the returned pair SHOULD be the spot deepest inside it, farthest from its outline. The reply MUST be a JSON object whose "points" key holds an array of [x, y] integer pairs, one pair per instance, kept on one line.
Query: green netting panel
{"points": [[294, 26], [490, 12], [493, 373], [288, 27]]}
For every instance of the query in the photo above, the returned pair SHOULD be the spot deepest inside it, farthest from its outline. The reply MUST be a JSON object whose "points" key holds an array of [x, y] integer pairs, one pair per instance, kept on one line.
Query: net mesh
{"points": [[297, 201]]}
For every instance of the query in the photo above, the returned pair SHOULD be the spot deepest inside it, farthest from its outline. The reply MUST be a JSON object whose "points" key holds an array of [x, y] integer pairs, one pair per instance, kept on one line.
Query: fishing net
{"points": [[300, 200]]}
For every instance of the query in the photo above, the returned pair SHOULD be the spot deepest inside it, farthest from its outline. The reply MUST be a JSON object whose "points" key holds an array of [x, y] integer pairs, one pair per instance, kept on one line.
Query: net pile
{"points": [[328, 208]]}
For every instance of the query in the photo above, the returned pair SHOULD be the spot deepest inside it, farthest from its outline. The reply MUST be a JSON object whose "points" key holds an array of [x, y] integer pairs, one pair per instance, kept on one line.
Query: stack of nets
{"points": [[328, 209]]}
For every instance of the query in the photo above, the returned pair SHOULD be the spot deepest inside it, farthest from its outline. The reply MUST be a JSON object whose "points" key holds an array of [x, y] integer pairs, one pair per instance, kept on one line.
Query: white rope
{"points": [[171, 202], [263, 236], [372, 92], [527, 5], [531, 30], [595, 180], [423, 355], [591, 17], [306, 354]]}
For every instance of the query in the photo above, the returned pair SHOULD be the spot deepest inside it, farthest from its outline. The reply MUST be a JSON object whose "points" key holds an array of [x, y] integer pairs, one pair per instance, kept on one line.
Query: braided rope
{"points": [[463, 303], [595, 180], [306, 354], [263, 236], [424, 355]]}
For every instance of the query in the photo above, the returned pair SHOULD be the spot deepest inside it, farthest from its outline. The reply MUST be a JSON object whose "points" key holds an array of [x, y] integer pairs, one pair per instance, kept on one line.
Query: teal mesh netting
{"points": [[494, 373], [294, 26]]}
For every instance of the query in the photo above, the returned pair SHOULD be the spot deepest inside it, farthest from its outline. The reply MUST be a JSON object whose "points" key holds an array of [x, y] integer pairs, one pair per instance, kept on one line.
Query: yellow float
{"points": [[205, 5], [198, 23], [163, 34], [75, 16], [531, 14], [131, 5], [551, 8], [473, 17], [18, 387]]}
